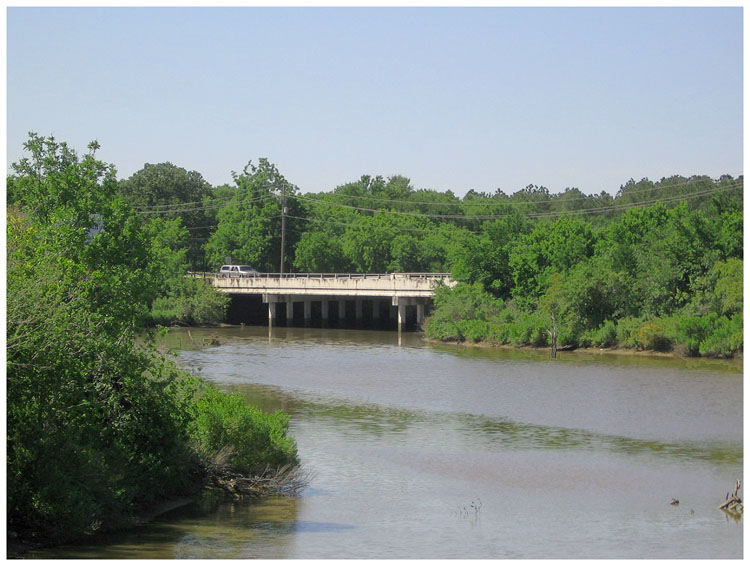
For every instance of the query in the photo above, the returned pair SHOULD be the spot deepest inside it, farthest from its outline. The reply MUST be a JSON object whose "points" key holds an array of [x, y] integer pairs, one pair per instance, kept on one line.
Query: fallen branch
{"points": [[286, 480], [733, 503]]}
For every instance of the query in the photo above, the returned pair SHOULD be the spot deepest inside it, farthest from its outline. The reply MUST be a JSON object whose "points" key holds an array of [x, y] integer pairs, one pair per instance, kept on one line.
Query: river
{"points": [[417, 450]]}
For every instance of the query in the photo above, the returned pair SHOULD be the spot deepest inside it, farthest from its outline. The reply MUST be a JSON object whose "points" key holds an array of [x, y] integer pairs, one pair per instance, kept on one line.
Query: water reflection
{"points": [[477, 431], [574, 458], [214, 526]]}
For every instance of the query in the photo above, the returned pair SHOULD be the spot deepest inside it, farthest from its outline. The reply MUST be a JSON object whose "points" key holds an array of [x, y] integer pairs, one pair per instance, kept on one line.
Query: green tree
{"points": [[320, 252], [98, 426], [367, 244], [550, 248], [95, 425], [164, 190], [249, 226]]}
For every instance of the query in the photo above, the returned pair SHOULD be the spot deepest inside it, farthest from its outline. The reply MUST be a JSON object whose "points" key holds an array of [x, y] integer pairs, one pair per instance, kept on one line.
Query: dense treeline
{"points": [[100, 428], [658, 265]]}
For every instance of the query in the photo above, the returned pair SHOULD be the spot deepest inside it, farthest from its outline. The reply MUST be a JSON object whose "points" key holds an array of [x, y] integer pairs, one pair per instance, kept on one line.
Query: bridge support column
{"points": [[420, 315], [289, 311], [402, 302], [358, 309], [271, 313], [308, 310], [401, 316], [324, 309], [339, 309]]}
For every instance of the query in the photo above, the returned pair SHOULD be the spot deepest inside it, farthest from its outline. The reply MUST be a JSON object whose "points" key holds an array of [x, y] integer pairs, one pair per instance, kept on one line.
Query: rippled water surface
{"points": [[423, 451]]}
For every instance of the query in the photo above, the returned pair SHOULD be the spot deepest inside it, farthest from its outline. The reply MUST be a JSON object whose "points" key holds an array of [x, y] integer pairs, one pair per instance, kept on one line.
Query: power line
{"points": [[166, 207], [201, 208], [348, 224], [614, 208], [640, 204], [490, 200], [683, 196], [590, 211], [485, 201]]}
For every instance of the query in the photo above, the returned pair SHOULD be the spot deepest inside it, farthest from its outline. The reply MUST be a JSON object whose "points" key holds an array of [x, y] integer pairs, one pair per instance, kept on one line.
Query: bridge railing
{"points": [[211, 275]]}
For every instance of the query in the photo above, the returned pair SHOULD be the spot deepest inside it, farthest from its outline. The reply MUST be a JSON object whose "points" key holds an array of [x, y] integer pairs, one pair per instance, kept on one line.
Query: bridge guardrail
{"points": [[211, 275]]}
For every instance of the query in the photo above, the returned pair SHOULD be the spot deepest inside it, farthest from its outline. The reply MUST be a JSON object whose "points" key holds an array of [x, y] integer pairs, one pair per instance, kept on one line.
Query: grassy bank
{"points": [[590, 352]]}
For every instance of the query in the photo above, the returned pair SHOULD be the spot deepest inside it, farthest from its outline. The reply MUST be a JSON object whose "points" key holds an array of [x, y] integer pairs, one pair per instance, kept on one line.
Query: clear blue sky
{"points": [[453, 98]]}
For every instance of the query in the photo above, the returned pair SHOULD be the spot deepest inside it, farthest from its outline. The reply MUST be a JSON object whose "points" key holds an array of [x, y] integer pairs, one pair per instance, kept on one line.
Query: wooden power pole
{"points": [[283, 227]]}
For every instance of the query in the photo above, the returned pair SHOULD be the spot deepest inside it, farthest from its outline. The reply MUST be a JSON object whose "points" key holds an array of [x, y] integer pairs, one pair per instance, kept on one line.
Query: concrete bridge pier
{"points": [[289, 311], [271, 313], [402, 302], [408, 293], [358, 310], [273, 301], [341, 309]]}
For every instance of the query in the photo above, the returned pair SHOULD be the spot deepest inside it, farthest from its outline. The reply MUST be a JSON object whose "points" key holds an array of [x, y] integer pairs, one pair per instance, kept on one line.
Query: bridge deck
{"points": [[403, 289], [333, 284]]}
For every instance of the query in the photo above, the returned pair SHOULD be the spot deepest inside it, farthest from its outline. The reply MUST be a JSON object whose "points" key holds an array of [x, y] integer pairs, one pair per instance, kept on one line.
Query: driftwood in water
{"points": [[733, 503], [286, 480]]}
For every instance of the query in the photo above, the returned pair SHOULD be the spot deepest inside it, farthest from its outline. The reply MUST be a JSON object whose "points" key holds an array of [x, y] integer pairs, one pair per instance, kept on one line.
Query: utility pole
{"points": [[283, 226]]}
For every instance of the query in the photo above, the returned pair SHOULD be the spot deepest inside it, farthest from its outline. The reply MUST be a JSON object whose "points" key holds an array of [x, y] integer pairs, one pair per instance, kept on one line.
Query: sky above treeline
{"points": [[452, 98]]}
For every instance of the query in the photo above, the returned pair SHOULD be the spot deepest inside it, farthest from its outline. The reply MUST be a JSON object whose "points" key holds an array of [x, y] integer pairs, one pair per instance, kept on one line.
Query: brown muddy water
{"points": [[424, 451]]}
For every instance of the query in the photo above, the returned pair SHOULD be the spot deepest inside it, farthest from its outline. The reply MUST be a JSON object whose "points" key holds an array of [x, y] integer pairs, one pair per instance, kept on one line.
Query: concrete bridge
{"points": [[388, 295]]}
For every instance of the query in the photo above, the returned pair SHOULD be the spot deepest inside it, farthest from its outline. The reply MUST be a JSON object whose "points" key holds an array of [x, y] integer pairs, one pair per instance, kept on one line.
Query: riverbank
{"points": [[19, 547], [227, 483], [614, 351]]}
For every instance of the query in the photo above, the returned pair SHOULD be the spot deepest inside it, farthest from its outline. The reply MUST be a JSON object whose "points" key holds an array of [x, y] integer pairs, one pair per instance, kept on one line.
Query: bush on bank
{"points": [[254, 441], [188, 302], [467, 313], [99, 429]]}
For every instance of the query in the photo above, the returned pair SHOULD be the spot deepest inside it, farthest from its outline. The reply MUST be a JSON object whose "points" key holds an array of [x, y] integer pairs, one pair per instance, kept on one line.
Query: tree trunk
{"points": [[553, 338]]}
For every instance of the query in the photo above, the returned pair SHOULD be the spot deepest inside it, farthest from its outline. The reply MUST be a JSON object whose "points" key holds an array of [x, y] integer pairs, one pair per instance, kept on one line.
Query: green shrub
{"points": [[584, 340], [190, 302], [164, 311], [653, 335], [463, 313], [499, 333], [626, 328], [693, 330], [539, 336], [439, 329], [528, 330], [569, 333], [605, 336], [474, 330], [256, 440], [726, 339]]}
